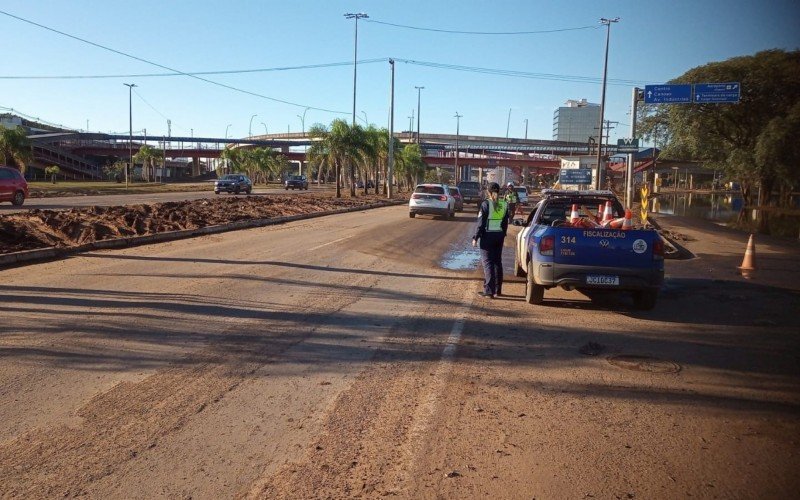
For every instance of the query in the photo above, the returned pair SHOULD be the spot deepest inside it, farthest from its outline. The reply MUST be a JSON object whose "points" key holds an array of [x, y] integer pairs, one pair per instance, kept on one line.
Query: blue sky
{"points": [[653, 42]]}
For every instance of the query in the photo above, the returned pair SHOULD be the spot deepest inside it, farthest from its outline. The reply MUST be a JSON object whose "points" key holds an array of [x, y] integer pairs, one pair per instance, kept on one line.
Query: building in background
{"points": [[576, 122]]}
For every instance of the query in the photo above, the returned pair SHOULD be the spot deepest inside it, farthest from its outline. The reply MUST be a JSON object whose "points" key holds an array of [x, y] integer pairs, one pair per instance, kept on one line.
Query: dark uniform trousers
{"points": [[492, 260]]}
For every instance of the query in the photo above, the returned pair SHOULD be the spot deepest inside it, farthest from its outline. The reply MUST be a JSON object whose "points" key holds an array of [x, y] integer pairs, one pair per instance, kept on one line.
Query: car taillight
{"points": [[546, 245], [443, 198], [658, 249], [416, 196]]}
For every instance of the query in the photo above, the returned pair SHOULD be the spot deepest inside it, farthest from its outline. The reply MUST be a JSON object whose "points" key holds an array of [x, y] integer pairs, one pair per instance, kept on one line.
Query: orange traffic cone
{"points": [[574, 215], [749, 260], [599, 217], [627, 223], [608, 214], [614, 223]]}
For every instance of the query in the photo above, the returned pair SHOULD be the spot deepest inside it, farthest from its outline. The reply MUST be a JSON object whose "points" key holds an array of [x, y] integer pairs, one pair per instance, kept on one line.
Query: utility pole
{"points": [[419, 90], [526, 128], [250, 127], [508, 122], [458, 124], [357, 16], [411, 124], [130, 131], [600, 169], [390, 166], [629, 170]]}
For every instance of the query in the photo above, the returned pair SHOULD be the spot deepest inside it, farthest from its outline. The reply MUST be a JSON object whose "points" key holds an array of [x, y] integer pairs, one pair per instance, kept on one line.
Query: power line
{"points": [[457, 32], [229, 87], [519, 74], [191, 73]]}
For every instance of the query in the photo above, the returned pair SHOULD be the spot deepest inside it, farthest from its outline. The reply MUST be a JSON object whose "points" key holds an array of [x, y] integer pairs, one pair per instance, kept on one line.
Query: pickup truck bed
{"points": [[552, 253]]}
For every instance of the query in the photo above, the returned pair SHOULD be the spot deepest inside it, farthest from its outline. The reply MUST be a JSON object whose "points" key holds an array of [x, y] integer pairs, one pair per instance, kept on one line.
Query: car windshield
{"points": [[298, 178], [521, 190], [429, 189], [230, 177]]}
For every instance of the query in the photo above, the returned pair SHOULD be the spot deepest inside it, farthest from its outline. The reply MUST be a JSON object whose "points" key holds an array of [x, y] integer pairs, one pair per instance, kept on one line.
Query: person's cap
{"points": [[510, 184], [494, 187]]}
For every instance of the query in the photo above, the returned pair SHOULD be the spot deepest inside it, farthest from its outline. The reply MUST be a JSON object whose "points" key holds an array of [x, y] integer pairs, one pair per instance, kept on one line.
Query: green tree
{"points": [[52, 171], [338, 145], [411, 164], [749, 141], [15, 147], [148, 156]]}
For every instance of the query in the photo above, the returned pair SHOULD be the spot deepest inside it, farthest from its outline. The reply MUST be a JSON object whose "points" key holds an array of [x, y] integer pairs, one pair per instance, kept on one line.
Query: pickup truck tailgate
{"points": [[604, 247]]}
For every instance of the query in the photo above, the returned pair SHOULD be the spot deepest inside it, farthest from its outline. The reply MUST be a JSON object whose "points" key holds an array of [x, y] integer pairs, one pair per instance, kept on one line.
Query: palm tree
{"points": [[15, 147], [337, 145], [147, 155], [413, 164], [371, 155]]}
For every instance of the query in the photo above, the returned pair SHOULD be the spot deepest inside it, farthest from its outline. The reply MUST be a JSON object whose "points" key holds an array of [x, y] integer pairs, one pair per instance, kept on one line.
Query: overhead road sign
{"points": [[627, 145], [668, 94], [575, 176], [717, 92]]}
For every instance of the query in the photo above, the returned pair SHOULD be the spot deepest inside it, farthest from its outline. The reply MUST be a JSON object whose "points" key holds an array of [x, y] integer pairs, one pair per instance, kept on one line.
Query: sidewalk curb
{"points": [[53, 253]]}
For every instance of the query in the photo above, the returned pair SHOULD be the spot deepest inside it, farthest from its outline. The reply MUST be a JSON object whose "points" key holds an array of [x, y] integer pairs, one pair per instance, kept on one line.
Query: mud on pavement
{"points": [[63, 228]]}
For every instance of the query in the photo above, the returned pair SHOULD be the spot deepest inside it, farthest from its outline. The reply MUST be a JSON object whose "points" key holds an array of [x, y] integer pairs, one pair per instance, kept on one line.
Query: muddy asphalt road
{"points": [[340, 357]]}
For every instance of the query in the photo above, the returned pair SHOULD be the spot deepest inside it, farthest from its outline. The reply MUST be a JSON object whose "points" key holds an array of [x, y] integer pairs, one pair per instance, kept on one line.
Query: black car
{"points": [[296, 182], [471, 192], [233, 183]]}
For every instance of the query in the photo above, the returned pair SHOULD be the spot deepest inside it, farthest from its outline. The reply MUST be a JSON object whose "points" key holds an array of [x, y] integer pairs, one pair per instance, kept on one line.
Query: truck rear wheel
{"points": [[645, 300], [534, 294]]}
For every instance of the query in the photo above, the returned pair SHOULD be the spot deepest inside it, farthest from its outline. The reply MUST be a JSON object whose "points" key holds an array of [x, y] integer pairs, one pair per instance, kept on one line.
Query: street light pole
{"points": [[419, 91], [250, 127], [266, 132], [366, 119], [302, 122], [390, 162], [458, 124], [357, 16], [508, 122], [526, 128], [130, 130], [607, 23]]}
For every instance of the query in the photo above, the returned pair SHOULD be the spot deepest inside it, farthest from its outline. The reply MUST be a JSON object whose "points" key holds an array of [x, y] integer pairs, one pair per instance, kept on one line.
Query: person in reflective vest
{"points": [[490, 234], [512, 198]]}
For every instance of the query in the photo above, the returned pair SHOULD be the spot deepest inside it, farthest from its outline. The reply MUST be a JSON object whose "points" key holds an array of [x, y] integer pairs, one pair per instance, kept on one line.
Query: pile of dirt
{"points": [[64, 228]]}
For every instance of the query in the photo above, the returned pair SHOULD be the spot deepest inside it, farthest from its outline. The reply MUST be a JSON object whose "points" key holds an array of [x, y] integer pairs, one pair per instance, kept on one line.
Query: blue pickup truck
{"points": [[550, 252]]}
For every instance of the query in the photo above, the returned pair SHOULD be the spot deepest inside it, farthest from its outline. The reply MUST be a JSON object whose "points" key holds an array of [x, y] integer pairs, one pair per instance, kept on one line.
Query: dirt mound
{"points": [[64, 228]]}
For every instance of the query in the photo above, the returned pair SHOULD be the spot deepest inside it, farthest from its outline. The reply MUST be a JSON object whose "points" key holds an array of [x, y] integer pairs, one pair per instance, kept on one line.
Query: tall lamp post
{"points": [[366, 120], [266, 131], [526, 128], [419, 91], [130, 130], [508, 122], [458, 124], [607, 23], [302, 122], [357, 16], [250, 127], [227, 165]]}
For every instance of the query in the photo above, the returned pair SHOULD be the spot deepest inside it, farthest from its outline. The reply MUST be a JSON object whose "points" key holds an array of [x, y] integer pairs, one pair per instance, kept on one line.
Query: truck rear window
{"points": [[560, 209]]}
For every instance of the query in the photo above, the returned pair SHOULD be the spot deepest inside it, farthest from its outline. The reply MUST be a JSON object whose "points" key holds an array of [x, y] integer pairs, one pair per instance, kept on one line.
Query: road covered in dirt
{"points": [[60, 228], [349, 357]]}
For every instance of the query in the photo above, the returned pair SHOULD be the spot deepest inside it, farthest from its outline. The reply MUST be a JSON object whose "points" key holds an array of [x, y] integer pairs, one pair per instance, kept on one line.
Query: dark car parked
{"points": [[233, 183], [13, 186], [296, 182]]}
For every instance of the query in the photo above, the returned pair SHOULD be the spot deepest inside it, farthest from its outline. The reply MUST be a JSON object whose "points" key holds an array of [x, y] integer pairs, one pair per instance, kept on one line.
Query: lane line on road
{"points": [[329, 243], [426, 411]]}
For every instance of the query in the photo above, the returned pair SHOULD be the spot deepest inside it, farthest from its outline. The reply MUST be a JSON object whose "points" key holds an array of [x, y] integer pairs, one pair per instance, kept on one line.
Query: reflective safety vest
{"points": [[496, 215], [512, 197]]}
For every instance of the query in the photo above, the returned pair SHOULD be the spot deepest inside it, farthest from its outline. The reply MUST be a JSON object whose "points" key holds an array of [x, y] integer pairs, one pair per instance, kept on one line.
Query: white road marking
{"points": [[329, 243], [425, 411]]}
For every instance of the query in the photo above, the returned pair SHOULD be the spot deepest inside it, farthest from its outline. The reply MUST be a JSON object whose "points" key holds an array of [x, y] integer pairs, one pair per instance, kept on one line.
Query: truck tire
{"points": [[534, 294], [518, 271], [645, 300]]}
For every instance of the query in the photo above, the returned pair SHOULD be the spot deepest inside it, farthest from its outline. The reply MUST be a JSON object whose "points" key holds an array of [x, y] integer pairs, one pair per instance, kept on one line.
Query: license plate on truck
{"points": [[602, 280]]}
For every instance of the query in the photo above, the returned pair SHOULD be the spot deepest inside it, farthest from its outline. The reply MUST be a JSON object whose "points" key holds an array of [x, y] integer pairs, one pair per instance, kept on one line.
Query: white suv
{"points": [[434, 199]]}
